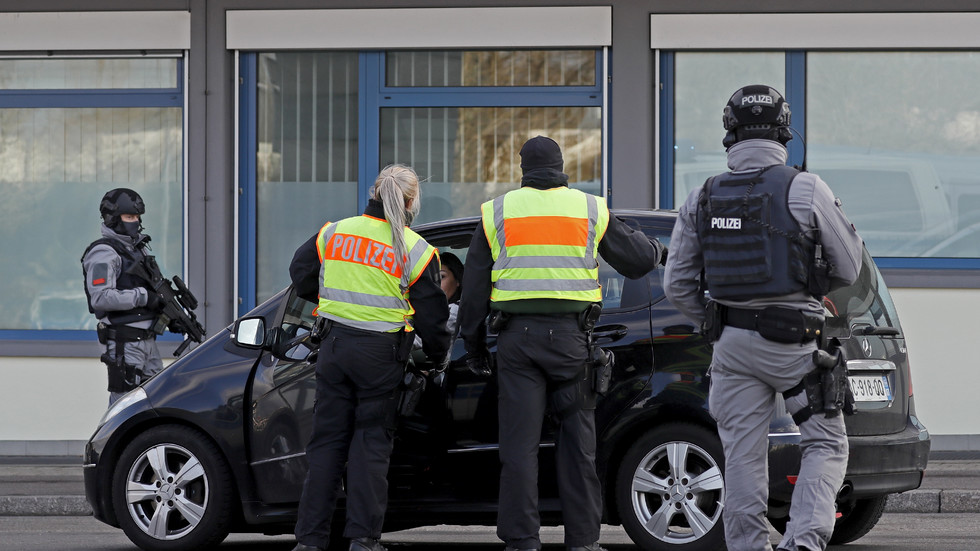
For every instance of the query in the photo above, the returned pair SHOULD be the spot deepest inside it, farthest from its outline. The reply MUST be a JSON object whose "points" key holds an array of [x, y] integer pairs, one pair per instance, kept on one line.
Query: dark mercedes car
{"points": [[215, 442]]}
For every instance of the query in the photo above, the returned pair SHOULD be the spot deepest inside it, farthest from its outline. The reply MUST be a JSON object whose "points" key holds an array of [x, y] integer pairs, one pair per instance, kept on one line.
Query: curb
{"points": [[36, 506], [934, 501]]}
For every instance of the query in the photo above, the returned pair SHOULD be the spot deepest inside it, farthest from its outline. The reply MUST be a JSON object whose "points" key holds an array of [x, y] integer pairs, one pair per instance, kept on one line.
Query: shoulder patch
{"points": [[99, 273]]}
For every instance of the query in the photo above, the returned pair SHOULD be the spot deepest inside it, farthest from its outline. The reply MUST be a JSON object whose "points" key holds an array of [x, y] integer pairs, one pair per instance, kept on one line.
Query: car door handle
{"points": [[609, 333]]}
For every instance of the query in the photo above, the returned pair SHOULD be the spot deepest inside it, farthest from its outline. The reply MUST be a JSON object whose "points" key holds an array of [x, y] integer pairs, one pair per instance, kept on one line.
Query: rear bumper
{"points": [[888, 464], [876, 465]]}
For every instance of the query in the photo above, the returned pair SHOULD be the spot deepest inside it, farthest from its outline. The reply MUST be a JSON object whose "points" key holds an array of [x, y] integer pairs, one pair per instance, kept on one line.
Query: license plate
{"points": [[870, 388]]}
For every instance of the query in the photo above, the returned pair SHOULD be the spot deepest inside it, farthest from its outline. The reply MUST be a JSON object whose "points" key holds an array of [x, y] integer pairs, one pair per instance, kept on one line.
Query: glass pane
{"points": [[61, 74], [57, 164], [703, 84], [491, 68], [307, 154], [467, 155], [896, 135]]}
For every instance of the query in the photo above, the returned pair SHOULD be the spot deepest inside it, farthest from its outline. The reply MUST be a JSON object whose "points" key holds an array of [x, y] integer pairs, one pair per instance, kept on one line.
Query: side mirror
{"points": [[250, 332]]}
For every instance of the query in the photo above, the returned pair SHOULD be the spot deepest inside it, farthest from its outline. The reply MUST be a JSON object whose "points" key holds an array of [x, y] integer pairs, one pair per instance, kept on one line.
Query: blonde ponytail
{"points": [[397, 187]]}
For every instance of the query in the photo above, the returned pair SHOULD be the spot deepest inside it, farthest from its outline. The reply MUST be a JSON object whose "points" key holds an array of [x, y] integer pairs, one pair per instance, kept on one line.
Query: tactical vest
{"points": [[544, 244], [124, 281], [361, 284], [752, 245]]}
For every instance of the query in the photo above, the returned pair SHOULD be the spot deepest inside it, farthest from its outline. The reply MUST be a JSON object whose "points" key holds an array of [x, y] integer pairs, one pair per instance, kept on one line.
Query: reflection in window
{"points": [[491, 68], [905, 162], [306, 161], [55, 166], [703, 83], [467, 155], [87, 74]]}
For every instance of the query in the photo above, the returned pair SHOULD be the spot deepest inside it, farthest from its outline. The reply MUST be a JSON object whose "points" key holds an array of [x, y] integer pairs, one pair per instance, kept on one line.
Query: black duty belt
{"points": [[123, 333], [349, 329], [784, 325]]}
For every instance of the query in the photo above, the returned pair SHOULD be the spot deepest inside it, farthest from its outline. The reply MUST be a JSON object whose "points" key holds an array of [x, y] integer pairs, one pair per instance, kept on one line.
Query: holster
{"points": [[122, 376], [602, 362], [321, 328], [412, 387], [827, 388], [835, 387], [498, 320]]}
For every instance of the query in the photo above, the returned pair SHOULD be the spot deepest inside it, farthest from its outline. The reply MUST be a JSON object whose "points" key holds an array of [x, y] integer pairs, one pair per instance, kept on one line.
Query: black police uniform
{"points": [[356, 375], [541, 358]]}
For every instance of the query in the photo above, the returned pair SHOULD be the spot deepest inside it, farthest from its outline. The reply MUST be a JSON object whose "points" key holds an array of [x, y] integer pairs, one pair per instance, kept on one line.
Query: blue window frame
{"points": [[795, 88], [374, 96], [74, 180]]}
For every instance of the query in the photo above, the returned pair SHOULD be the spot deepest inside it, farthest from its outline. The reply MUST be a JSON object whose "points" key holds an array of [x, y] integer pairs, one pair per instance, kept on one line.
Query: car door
{"points": [[280, 419]]}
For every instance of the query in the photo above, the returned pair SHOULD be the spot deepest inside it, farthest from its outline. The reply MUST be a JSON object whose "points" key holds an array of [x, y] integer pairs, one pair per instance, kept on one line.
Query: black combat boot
{"points": [[304, 547], [592, 547], [366, 544]]}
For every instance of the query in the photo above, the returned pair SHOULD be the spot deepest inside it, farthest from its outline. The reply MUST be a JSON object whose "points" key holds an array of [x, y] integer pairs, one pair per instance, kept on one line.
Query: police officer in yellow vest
{"points": [[378, 286], [532, 261]]}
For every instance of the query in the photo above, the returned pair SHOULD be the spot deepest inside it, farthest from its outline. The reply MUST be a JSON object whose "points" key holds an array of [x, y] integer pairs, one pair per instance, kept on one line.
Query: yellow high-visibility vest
{"points": [[544, 244], [361, 284]]}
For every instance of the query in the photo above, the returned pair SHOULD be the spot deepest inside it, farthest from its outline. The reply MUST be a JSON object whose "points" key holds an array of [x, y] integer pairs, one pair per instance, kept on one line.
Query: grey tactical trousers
{"points": [[746, 373]]}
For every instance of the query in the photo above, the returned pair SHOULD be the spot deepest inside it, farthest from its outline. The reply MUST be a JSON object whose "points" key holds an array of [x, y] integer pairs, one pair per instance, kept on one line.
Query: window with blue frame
{"points": [[322, 124], [70, 130], [895, 134]]}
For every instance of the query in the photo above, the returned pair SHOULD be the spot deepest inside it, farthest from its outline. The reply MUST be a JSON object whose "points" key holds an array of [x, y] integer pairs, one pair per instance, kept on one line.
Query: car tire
{"points": [[172, 490], [863, 515], [662, 512]]}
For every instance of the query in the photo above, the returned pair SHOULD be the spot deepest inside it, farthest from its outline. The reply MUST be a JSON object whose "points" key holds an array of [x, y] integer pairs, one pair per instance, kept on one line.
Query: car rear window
{"points": [[865, 303]]}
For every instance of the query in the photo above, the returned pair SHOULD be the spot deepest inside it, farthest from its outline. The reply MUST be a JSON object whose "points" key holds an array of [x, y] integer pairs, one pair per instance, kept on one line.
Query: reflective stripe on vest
{"points": [[544, 244], [360, 281]]}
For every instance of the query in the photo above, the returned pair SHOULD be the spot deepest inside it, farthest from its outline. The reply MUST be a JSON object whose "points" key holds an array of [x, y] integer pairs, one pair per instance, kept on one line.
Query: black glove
{"points": [[663, 254], [479, 363], [439, 365], [153, 301]]}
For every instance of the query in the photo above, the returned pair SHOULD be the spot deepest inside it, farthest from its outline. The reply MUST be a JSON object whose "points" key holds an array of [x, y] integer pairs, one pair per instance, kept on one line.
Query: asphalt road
{"points": [[895, 532]]}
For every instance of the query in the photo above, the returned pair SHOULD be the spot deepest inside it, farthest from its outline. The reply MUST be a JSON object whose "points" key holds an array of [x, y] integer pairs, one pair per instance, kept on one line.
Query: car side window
{"points": [[297, 320]]}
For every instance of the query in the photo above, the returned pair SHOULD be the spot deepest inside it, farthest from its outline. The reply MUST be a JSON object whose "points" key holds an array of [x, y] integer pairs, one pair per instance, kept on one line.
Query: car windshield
{"points": [[865, 303]]}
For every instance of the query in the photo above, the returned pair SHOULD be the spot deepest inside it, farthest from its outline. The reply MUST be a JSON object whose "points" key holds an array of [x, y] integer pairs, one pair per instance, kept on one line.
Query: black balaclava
{"points": [[542, 163]]}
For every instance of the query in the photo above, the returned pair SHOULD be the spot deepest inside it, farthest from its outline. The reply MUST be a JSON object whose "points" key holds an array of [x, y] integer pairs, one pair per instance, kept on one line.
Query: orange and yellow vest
{"points": [[544, 244], [361, 284]]}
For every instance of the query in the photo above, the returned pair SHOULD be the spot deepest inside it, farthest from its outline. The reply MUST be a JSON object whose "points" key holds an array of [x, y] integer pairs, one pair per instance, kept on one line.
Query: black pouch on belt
{"points": [[784, 325]]}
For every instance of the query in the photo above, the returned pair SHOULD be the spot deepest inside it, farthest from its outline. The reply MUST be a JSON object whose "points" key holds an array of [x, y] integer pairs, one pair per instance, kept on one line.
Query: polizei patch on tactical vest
{"points": [[726, 223]]}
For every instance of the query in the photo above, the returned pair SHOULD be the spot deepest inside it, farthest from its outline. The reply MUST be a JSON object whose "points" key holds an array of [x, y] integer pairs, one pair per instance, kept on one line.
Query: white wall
{"points": [[62, 399], [57, 399], [941, 334]]}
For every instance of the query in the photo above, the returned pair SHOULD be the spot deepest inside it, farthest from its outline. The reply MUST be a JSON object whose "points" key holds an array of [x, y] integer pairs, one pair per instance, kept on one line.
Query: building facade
{"points": [[246, 124]]}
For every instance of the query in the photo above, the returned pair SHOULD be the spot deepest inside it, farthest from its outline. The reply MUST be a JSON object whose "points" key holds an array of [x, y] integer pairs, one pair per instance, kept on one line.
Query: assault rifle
{"points": [[178, 303]]}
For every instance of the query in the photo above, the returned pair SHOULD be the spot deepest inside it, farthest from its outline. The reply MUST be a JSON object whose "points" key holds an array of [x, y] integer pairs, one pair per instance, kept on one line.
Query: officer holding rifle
{"points": [[130, 297], [767, 242]]}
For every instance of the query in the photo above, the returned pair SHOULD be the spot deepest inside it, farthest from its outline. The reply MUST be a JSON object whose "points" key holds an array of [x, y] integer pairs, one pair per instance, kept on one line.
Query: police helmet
{"points": [[120, 201], [756, 111]]}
